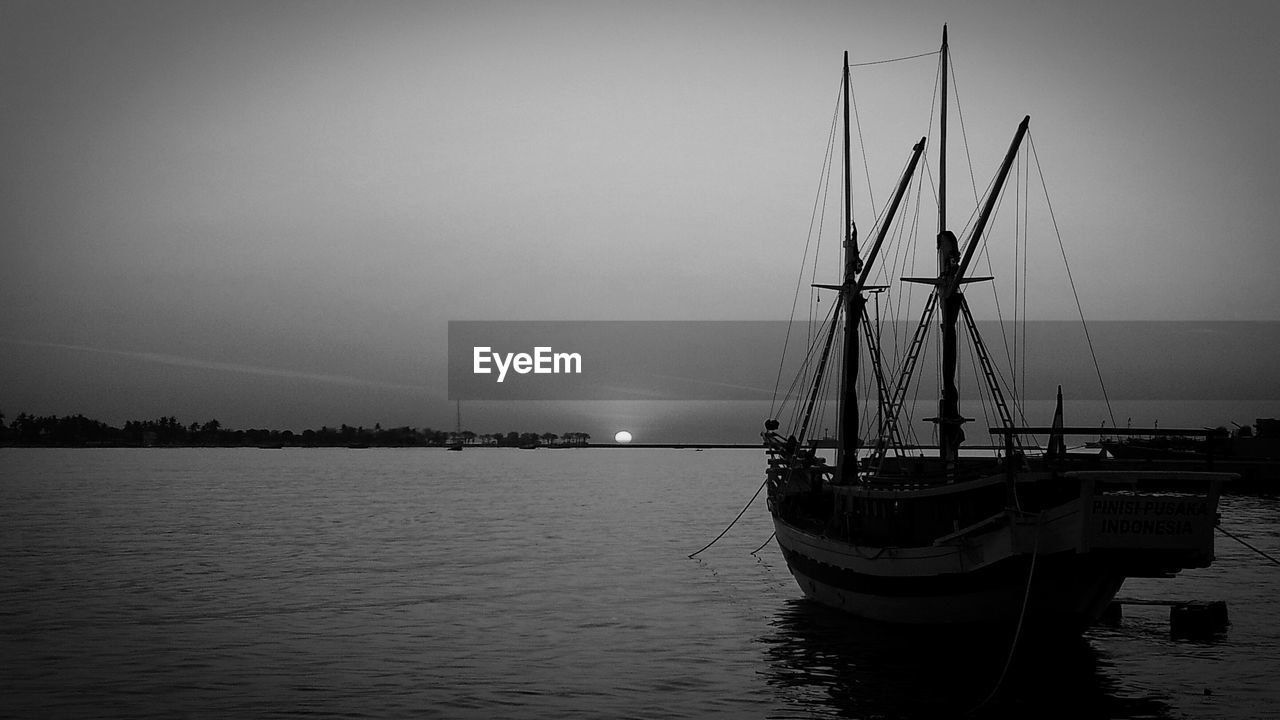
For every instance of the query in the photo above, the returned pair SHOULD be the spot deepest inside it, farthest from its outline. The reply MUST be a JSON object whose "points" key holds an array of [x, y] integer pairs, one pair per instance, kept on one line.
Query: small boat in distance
{"points": [[956, 538]]}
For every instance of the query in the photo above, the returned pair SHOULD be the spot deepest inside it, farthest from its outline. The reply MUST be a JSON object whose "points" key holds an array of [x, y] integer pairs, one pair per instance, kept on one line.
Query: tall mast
{"points": [[851, 238], [951, 278], [949, 420], [942, 145], [847, 452]]}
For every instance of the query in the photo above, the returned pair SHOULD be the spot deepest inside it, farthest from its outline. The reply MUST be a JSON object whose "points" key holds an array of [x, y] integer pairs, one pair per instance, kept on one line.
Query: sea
{"points": [[506, 583]]}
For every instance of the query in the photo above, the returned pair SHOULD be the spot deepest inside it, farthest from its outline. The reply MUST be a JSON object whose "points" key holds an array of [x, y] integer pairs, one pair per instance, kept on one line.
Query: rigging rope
{"points": [[824, 181], [1010, 355], [1026, 257], [979, 382], [866, 169], [1063, 249], [955, 93], [890, 60], [1019, 238], [825, 188]]}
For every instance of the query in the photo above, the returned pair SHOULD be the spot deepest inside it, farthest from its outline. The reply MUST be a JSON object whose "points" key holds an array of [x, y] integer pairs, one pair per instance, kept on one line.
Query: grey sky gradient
{"points": [[316, 188]]}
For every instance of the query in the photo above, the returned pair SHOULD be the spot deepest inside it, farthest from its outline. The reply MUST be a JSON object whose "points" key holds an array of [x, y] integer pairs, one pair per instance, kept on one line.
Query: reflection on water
{"points": [[821, 660]]}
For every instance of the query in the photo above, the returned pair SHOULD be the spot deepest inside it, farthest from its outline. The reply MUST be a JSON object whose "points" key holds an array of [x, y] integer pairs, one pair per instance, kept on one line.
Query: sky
{"points": [[268, 212]]}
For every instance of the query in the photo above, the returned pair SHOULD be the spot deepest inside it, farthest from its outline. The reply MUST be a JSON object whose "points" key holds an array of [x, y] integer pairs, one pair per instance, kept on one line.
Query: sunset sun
{"points": [[623, 437]]}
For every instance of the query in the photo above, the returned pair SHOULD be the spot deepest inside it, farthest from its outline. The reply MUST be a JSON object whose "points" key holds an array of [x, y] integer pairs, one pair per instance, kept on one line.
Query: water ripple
{"points": [[416, 583]]}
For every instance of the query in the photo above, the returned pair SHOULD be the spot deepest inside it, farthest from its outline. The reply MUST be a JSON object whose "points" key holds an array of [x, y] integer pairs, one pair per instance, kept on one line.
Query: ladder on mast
{"points": [[891, 432], [988, 370], [882, 391]]}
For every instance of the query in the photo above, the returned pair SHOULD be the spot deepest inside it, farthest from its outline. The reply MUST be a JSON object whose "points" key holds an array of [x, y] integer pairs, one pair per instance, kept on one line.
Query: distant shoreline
{"points": [[28, 430], [587, 446]]}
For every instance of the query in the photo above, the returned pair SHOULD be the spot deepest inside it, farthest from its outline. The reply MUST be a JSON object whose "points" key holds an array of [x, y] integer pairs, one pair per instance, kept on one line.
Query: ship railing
{"points": [[1050, 430], [1013, 458], [1009, 433]]}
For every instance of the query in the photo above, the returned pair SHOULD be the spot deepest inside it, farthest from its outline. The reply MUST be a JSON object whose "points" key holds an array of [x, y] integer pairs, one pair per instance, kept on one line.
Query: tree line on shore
{"points": [[80, 431]]}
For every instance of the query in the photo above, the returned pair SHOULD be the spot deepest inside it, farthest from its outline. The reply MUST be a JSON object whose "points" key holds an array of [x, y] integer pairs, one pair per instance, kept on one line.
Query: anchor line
{"points": [[735, 520], [1224, 531], [772, 535], [1022, 614]]}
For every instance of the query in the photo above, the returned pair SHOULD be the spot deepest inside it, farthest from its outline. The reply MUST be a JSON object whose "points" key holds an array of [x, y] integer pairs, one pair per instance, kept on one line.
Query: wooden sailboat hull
{"points": [[1068, 591], [1057, 568]]}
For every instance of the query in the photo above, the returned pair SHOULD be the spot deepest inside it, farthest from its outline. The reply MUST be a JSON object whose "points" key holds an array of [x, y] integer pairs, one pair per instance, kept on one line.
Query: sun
{"points": [[623, 437]]}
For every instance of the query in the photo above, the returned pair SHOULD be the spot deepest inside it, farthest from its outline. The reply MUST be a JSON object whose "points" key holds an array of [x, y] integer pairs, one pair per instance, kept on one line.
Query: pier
{"points": [[1188, 619]]}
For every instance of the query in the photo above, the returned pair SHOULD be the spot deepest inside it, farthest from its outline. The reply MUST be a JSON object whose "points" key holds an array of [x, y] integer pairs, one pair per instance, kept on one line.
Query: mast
{"points": [[942, 145], [951, 271], [984, 215], [949, 420], [846, 453]]}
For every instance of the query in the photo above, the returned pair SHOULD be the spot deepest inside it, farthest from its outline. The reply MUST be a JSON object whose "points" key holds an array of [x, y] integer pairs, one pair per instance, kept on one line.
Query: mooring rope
{"points": [[735, 520], [772, 535], [1022, 614], [1224, 531]]}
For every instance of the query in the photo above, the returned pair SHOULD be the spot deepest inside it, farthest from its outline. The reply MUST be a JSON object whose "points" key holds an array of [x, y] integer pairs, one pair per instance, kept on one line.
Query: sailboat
{"points": [[947, 535]]}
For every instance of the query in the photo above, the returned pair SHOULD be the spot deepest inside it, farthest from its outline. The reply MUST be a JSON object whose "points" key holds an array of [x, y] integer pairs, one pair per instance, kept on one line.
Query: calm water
{"points": [[509, 583]]}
